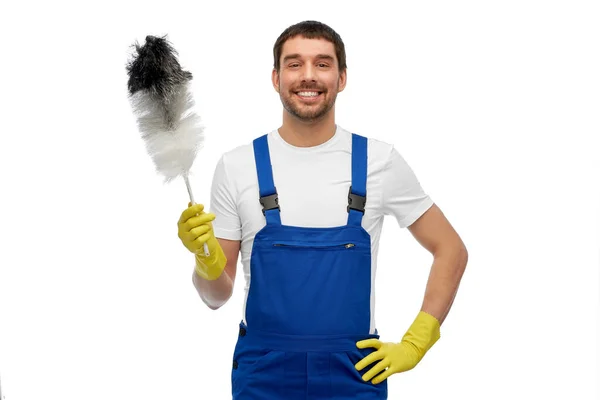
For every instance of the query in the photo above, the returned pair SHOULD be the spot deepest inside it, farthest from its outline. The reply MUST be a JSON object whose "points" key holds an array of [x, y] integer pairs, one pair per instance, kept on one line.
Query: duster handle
{"points": [[189, 189]]}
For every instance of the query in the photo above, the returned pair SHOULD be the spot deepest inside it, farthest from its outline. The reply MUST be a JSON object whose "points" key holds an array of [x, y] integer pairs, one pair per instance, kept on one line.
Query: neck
{"points": [[307, 134]]}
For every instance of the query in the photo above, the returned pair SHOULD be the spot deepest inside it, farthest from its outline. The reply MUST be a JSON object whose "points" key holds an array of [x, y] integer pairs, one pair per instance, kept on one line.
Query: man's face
{"points": [[308, 80]]}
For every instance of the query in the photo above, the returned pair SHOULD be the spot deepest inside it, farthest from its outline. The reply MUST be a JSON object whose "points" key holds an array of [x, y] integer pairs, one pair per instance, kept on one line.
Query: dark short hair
{"points": [[311, 30]]}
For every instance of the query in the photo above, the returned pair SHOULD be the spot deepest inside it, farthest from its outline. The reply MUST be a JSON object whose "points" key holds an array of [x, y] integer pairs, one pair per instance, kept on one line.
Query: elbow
{"points": [[213, 307], [456, 251], [213, 297], [216, 304], [456, 254], [212, 304], [463, 254], [462, 257]]}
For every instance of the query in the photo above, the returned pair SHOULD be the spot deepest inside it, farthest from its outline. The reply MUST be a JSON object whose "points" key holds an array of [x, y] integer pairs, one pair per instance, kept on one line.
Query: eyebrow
{"points": [[296, 55]]}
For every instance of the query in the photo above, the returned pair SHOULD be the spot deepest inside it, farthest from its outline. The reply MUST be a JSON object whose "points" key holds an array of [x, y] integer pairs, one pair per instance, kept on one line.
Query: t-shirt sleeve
{"points": [[402, 196], [226, 224]]}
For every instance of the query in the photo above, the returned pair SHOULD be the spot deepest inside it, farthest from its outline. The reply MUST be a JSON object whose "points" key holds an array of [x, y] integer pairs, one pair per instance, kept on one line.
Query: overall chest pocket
{"points": [[345, 245], [311, 287]]}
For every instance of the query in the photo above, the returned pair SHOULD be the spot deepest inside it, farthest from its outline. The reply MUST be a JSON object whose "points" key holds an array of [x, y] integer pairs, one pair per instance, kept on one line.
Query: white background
{"points": [[493, 104]]}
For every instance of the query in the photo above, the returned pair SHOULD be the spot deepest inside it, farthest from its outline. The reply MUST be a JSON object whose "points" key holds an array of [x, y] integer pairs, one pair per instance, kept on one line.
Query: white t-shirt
{"points": [[312, 185]]}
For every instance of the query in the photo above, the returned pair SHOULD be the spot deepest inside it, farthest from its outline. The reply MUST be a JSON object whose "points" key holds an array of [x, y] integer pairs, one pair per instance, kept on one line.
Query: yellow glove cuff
{"points": [[210, 268], [423, 333]]}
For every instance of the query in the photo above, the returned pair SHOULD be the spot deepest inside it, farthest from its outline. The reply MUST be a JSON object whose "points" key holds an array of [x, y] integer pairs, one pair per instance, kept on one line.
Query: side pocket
{"points": [[348, 381], [254, 366], [354, 357]]}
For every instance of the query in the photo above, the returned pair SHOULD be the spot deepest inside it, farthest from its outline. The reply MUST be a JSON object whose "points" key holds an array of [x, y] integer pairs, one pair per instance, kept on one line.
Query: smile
{"points": [[308, 95]]}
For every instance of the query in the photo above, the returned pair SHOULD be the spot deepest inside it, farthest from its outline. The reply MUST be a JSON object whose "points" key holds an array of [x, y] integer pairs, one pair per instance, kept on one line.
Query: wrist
{"points": [[423, 333], [211, 268]]}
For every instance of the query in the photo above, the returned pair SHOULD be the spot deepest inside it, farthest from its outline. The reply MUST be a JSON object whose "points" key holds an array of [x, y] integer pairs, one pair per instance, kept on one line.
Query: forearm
{"points": [[214, 293], [445, 276]]}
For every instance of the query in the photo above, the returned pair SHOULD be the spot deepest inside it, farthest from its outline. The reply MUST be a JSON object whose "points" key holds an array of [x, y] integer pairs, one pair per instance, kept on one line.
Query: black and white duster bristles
{"points": [[162, 102]]}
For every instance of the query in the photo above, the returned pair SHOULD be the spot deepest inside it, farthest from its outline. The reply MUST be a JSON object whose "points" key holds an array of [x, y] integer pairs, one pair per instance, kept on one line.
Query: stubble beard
{"points": [[307, 113]]}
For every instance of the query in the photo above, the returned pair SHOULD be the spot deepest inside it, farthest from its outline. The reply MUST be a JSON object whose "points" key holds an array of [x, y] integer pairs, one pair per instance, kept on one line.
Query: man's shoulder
{"points": [[239, 156], [376, 146], [379, 145], [379, 151]]}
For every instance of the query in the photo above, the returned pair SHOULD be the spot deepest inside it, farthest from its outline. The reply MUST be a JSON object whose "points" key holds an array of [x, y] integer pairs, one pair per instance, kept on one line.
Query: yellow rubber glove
{"points": [[403, 356], [194, 229]]}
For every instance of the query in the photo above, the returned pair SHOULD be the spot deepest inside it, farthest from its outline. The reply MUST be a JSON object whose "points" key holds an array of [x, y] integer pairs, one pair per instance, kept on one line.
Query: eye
{"points": [[322, 65], [294, 65]]}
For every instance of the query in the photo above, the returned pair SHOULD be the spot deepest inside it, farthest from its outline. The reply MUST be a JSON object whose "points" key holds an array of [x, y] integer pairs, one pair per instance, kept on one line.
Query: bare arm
{"points": [[433, 231], [216, 293]]}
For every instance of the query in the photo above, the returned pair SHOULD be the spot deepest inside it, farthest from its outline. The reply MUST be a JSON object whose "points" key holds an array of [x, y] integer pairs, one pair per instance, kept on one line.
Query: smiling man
{"points": [[304, 206], [304, 98], [309, 71]]}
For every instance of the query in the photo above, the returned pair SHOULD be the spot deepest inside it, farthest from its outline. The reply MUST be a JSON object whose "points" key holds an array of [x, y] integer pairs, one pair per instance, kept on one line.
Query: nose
{"points": [[308, 73]]}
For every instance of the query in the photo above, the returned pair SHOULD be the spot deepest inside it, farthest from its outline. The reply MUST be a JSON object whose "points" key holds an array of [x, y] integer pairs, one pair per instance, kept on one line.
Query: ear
{"points": [[342, 80], [275, 79]]}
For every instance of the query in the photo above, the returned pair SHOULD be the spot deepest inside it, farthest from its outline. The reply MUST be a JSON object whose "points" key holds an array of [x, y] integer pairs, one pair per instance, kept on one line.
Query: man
{"points": [[304, 204]]}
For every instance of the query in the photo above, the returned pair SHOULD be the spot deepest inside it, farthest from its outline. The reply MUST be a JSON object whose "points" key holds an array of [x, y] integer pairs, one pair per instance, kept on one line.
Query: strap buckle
{"points": [[269, 202], [356, 202]]}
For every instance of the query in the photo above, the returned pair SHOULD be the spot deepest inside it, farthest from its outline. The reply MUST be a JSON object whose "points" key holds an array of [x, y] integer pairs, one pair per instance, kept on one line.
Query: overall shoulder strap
{"points": [[357, 193], [268, 192]]}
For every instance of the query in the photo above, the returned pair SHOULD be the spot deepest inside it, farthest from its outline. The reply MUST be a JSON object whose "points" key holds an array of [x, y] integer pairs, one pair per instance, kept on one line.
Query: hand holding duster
{"points": [[162, 102]]}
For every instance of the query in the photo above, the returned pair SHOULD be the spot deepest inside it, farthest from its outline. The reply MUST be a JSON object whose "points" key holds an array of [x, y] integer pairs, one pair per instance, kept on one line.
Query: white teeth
{"points": [[308, 94]]}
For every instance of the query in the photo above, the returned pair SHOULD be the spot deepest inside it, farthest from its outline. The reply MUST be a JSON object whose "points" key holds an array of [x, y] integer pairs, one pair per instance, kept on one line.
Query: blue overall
{"points": [[308, 301]]}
